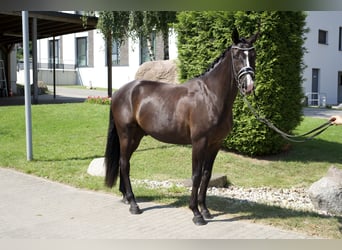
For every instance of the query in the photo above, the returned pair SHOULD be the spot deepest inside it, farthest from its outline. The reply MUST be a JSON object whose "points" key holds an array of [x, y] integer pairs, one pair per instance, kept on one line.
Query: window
{"points": [[340, 39], [119, 54], [115, 53], [81, 52], [322, 37], [51, 52]]}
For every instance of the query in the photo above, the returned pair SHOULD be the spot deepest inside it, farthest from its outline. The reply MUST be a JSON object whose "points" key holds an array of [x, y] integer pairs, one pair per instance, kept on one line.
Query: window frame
{"points": [[323, 37], [82, 62], [340, 39], [50, 52]]}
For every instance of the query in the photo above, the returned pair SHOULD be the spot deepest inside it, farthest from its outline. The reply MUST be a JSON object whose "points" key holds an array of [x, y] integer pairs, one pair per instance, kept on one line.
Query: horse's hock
{"points": [[326, 193], [162, 71]]}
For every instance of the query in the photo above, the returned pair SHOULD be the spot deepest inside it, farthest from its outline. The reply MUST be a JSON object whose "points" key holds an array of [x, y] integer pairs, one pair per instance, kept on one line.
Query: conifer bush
{"points": [[203, 36]]}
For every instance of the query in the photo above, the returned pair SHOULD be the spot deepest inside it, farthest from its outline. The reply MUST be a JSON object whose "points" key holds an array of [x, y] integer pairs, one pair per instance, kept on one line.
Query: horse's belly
{"points": [[167, 132], [171, 138]]}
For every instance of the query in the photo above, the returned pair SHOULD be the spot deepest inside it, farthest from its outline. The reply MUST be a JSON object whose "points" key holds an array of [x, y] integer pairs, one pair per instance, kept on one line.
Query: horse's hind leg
{"points": [[128, 144]]}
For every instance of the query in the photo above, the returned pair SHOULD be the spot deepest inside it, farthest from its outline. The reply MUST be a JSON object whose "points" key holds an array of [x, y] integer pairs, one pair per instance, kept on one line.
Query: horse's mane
{"points": [[215, 62]]}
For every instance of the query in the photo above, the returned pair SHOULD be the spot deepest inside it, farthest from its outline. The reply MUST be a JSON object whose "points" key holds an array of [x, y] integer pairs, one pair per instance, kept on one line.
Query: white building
{"points": [[81, 58], [323, 60]]}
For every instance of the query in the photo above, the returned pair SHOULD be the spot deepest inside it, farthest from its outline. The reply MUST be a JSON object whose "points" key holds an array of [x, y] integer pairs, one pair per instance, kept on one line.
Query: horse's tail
{"points": [[112, 154]]}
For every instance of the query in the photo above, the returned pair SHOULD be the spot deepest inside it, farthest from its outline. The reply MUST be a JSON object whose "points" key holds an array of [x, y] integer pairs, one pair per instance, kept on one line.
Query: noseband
{"points": [[243, 71]]}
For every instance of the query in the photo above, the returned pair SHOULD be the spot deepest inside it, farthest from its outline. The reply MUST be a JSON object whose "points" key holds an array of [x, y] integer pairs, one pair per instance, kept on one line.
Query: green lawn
{"points": [[66, 137]]}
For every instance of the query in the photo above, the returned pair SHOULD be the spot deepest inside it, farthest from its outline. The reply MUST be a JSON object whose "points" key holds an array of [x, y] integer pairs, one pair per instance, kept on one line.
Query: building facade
{"points": [[81, 58], [323, 73]]}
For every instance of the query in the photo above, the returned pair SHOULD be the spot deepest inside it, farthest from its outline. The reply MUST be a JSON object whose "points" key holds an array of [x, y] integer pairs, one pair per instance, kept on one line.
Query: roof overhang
{"points": [[49, 24]]}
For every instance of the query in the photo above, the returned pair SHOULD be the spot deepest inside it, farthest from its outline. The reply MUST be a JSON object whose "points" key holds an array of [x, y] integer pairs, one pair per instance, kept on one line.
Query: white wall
{"points": [[97, 76], [327, 58]]}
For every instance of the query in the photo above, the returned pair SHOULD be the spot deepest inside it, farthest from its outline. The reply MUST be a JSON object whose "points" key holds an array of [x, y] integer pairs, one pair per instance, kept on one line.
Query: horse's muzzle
{"points": [[246, 79]]}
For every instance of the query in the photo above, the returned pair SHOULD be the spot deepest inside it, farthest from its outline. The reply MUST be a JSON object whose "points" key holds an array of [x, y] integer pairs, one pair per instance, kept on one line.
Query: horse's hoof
{"points": [[135, 210], [207, 215], [199, 221]]}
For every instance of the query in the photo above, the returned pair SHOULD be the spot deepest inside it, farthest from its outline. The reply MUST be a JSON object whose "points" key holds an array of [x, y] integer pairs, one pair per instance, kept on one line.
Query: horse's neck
{"points": [[220, 81]]}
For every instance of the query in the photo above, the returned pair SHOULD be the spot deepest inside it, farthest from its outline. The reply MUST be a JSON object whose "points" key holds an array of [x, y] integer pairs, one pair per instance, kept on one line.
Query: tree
{"points": [[136, 24], [118, 25], [114, 24], [202, 36], [144, 23], [165, 19]]}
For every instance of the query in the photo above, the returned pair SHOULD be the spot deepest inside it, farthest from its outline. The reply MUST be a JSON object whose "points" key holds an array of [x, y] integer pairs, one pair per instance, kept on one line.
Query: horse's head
{"points": [[243, 61]]}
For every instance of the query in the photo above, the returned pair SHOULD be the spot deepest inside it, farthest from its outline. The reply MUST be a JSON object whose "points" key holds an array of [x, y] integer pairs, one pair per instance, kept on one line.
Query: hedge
{"points": [[202, 36]]}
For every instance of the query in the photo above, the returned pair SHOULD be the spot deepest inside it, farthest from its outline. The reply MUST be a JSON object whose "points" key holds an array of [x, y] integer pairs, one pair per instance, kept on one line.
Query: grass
{"points": [[66, 137]]}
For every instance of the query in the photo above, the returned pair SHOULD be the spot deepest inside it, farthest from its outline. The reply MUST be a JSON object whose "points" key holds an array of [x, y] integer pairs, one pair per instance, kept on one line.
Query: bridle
{"points": [[293, 138], [246, 70]]}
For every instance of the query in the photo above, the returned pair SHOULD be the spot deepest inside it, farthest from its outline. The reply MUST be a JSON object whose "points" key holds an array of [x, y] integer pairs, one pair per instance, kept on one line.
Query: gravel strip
{"points": [[290, 198]]}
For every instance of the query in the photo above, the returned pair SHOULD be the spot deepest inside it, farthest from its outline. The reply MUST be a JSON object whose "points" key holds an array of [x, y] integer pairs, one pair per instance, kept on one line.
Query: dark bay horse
{"points": [[198, 112]]}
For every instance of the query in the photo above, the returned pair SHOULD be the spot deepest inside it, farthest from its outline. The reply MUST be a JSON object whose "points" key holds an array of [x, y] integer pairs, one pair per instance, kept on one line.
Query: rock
{"points": [[162, 71], [97, 167], [326, 193], [217, 180]]}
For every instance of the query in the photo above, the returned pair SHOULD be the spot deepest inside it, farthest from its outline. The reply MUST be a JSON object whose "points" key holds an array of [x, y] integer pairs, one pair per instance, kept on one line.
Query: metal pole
{"points": [[25, 24], [54, 66], [34, 60], [109, 65]]}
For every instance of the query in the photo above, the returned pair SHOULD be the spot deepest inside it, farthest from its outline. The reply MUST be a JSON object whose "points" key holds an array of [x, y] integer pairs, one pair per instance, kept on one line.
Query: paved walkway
{"points": [[36, 208]]}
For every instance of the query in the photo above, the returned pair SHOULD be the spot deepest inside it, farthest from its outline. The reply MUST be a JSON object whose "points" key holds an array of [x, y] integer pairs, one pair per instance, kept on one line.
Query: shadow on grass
{"points": [[76, 158], [317, 150], [240, 209]]}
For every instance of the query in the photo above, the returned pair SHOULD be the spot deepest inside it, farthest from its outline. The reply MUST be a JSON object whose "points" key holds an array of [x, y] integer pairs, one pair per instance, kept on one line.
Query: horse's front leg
{"points": [[197, 165], [206, 175], [203, 194]]}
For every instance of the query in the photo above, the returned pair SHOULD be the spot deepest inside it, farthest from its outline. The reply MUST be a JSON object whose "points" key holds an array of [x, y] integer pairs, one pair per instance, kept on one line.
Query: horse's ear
{"points": [[235, 36], [253, 38]]}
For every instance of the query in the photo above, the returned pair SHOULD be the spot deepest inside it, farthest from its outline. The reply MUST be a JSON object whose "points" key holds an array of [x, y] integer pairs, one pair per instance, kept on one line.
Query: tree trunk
{"points": [[150, 49], [165, 34]]}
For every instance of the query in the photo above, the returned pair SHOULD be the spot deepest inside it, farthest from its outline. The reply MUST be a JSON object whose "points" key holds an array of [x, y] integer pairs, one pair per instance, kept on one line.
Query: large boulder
{"points": [[326, 193], [161, 71]]}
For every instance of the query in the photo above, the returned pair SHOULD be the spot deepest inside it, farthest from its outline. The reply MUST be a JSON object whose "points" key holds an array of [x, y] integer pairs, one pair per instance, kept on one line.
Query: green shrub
{"points": [[202, 36]]}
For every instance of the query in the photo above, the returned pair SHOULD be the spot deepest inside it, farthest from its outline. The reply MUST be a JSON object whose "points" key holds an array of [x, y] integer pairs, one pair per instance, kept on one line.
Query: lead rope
{"points": [[308, 135], [286, 136]]}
